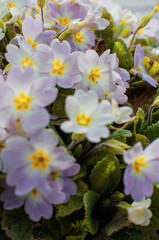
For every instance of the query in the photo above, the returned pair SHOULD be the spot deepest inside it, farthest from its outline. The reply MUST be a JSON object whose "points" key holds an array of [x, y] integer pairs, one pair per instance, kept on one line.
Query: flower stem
{"points": [[150, 115]]}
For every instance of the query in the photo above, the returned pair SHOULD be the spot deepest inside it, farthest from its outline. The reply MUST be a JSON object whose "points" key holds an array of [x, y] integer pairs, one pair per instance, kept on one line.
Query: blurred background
{"points": [[136, 5]]}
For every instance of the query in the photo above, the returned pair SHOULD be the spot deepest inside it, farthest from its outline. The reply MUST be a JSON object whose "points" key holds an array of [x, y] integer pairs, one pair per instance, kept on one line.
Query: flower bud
{"points": [[41, 3], [145, 20], [78, 137], [116, 147], [156, 102]]}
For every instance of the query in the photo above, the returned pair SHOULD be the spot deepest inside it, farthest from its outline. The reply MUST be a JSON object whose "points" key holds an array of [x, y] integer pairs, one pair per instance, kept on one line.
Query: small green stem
{"points": [[132, 40]]}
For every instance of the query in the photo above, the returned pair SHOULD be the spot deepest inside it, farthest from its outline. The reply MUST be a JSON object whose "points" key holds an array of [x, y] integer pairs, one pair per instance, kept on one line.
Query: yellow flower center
{"points": [[123, 22], [26, 62], [156, 9], [73, 2], [138, 164], [141, 31], [35, 192], [58, 68], [78, 38], [83, 120], [40, 160], [2, 146], [10, 5], [54, 175], [22, 102], [63, 21], [33, 44], [94, 75], [138, 70], [106, 95]]}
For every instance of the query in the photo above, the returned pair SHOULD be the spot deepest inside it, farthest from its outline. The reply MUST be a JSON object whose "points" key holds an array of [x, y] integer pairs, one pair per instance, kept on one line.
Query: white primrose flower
{"points": [[87, 116], [126, 17], [122, 114], [139, 213]]}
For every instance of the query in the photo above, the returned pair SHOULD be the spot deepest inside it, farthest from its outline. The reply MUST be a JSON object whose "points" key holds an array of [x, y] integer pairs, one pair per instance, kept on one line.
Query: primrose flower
{"points": [[82, 40], [96, 73], [58, 63], [142, 170], [24, 97], [34, 160], [126, 17], [87, 116], [140, 69], [35, 204], [33, 32], [21, 56], [139, 214], [67, 13], [122, 114]]}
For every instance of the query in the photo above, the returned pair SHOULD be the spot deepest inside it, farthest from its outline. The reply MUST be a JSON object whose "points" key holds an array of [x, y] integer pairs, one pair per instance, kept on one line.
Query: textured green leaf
{"points": [[140, 118], [51, 229], [106, 34], [106, 174], [127, 234], [151, 66], [96, 156], [17, 225], [89, 200], [121, 135], [116, 223], [81, 173], [123, 53], [143, 139], [75, 203], [152, 132]]}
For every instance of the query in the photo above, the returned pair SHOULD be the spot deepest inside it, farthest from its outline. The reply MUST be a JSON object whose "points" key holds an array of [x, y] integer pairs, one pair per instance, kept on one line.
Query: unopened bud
{"points": [[116, 147], [65, 35], [41, 3], [145, 20], [78, 137], [2, 26], [156, 102]]}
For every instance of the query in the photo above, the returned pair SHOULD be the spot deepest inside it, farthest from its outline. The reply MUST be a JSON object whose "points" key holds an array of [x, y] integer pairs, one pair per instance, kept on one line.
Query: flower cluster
{"points": [[67, 69]]}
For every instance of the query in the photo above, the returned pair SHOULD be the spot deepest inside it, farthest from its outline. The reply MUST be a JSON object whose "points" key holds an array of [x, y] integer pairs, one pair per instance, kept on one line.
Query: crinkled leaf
{"points": [[17, 225], [143, 139], [123, 53], [81, 173], [78, 151], [128, 234], [75, 203], [89, 201], [96, 156], [121, 135], [106, 174], [152, 132], [140, 118], [151, 66]]}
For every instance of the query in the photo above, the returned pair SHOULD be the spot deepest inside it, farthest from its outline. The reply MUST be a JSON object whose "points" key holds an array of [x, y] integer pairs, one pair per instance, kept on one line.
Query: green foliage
{"points": [[141, 138], [89, 201], [59, 104], [152, 132], [106, 174], [121, 135], [123, 53], [96, 156], [140, 118], [106, 34], [17, 225], [75, 203], [151, 66], [128, 235]]}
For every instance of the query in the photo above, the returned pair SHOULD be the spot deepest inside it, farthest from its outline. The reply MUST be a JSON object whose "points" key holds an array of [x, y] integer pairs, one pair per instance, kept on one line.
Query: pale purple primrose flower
{"points": [[140, 69], [58, 63], [24, 97], [33, 32], [87, 116], [142, 170], [34, 161]]}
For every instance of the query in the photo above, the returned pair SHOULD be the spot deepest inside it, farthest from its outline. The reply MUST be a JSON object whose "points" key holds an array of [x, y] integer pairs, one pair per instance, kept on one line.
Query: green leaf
{"points": [[59, 104], [151, 66], [140, 118], [75, 203], [106, 174], [116, 223], [17, 225], [121, 135], [81, 173], [106, 34], [143, 139], [51, 229], [96, 156], [128, 234], [123, 53], [3, 236], [89, 201], [152, 132]]}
